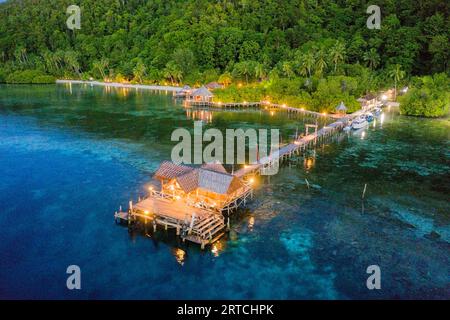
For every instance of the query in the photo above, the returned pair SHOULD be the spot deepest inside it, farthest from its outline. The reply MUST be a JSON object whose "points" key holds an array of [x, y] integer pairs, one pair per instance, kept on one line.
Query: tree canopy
{"points": [[156, 39]]}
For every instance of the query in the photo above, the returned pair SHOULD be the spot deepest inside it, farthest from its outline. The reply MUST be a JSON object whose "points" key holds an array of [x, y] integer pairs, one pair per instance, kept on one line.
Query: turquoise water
{"points": [[71, 156]]}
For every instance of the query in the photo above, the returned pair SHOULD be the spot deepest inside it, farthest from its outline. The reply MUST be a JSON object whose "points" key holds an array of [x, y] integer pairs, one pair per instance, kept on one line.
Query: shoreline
{"points": [[121, 85]]}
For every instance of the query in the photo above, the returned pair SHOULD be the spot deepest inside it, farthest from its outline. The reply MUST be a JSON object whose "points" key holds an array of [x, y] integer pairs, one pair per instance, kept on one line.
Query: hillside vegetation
{"points": [[309, 52]]}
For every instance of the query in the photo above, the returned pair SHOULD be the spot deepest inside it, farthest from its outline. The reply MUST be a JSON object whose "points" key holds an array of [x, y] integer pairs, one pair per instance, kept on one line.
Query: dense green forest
{"points": [[313, 53]]}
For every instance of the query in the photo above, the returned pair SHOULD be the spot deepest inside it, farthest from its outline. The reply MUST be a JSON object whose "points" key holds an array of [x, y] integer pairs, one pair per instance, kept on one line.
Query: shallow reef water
{"points": [[69, 156]]}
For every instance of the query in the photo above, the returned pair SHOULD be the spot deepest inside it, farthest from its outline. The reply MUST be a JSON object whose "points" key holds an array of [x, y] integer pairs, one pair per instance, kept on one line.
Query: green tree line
{"points": [[231, 41]]}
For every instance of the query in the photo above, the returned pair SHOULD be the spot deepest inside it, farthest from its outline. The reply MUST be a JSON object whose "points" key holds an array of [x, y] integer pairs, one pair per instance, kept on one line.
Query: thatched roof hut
{"points": [[210, 178], [341, 107]]}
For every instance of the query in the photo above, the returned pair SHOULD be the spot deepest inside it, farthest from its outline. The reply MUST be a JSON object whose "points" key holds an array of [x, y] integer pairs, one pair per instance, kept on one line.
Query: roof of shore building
{"points": [[213, 85], [341, 107], [203, 92]]}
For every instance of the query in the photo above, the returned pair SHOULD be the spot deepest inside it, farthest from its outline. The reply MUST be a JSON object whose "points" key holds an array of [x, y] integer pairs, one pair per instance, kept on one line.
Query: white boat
{"points": [[359, 123]]}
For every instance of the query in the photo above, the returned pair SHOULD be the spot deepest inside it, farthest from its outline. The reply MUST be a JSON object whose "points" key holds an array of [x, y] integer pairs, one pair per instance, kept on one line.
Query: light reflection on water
{"points": [[71, 156]]}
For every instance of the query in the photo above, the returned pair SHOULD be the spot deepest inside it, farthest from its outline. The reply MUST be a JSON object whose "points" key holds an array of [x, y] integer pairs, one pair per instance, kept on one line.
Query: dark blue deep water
{"points": [[70, 156]]}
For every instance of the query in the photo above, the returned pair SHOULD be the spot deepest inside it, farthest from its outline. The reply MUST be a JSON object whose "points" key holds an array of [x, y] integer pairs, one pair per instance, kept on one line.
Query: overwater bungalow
{"points": [[184, 92], [202, 94], [193, 200], [210, 186]]}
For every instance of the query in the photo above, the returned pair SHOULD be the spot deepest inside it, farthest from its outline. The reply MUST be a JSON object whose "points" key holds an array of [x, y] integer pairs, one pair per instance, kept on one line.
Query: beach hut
{"points": [[202, 94], [341, 108]]}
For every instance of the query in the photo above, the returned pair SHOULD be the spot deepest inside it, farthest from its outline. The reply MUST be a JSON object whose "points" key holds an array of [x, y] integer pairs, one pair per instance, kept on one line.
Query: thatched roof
{"points": [[209, 180], [189, 181], [211, 177], [202, 92], [214, 166], [341, 107], [169, 170]]}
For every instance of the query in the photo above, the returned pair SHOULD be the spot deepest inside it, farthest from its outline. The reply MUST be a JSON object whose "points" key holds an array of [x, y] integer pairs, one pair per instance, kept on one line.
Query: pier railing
{"points": [[256, 104]]}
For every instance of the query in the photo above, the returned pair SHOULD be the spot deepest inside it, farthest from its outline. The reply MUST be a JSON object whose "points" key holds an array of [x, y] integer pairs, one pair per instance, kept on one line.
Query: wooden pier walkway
{"points": [[205, 224], [299, 145], [257, 104]]}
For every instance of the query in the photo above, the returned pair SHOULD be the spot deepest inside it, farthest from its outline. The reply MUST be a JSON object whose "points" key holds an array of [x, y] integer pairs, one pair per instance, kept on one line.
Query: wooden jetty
{"points": [[196, 201], [263, 104]]}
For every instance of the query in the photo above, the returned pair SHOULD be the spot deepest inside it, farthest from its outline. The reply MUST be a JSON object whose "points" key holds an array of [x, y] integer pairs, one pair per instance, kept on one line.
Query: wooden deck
{"points": [[173, 209], [192, 222]]}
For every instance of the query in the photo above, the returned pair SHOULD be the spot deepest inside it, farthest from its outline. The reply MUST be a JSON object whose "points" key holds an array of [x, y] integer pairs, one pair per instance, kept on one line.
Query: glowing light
{"points": [[172, 187], [251, 180], [324, 113], [363, 134], [308, 163], [220, 103], [150, 189], [180, 255], [272, 113], [239, 84], [251, 222], [383, 97], [284, 106], [146, 212], [177, 197], [303, 109], [245, 102]]}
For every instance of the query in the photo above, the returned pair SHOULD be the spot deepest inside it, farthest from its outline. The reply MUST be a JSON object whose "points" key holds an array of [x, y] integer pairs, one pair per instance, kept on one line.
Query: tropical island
{"points": [[305, 54]]}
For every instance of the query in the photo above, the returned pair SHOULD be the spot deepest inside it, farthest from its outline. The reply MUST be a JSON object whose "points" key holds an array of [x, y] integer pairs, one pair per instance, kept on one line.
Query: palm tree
{"points": [[71, 60], [372, 58], [139, 71], [321, 63], [397, 74], [337, 53], [246, 70], [287, 69], [260, 73], [308, 62], [302, 69], [225, 79], [101, 66], [173, 72]]}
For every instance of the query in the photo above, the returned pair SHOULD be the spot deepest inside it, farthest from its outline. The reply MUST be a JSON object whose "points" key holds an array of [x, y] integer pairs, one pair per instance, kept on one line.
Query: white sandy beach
{"points": [[122, 85]]}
